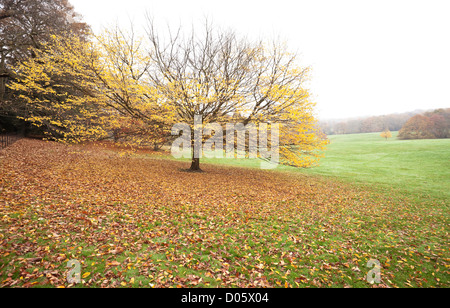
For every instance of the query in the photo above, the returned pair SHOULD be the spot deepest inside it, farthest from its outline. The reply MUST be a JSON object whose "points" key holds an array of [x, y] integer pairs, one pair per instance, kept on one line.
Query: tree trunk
{"points": [[195, 148], [2, 87], [195, 165], [3, 77]]}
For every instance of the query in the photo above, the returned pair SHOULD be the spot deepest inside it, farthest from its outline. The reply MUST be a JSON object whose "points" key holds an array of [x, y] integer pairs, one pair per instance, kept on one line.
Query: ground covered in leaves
{"points": [[142, 221]]}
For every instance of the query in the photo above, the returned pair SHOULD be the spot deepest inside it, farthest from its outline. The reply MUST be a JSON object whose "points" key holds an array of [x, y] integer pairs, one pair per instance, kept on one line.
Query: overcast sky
{"points": [[367, 57]]}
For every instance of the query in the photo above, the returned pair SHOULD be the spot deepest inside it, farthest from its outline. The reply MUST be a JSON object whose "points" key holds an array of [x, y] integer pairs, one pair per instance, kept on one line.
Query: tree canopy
{"points": [[430, 125], [135, 88], [25, 28]]}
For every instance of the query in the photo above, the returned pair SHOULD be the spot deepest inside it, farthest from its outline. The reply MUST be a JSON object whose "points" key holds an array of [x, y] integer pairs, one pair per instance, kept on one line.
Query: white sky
{"points": [[367, 57]]}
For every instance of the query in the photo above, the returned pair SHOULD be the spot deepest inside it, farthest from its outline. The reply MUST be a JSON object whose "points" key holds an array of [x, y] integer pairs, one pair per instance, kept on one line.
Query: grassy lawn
{"points": [[140, 221], [420, 168]]}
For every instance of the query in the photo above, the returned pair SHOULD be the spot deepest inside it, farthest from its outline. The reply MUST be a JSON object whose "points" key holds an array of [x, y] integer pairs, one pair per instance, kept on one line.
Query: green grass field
{"points": [[419, 168]]}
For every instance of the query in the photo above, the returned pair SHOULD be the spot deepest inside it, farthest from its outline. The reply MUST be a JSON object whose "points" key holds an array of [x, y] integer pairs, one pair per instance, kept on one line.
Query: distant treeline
{"points": [[430, 125], [392, 122], [418, 124]]}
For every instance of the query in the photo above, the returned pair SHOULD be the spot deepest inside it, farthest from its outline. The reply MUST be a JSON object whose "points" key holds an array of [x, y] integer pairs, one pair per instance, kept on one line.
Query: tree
{"points": [[122, 75], [440, 122], [218, 75], [386, 134], [25, 26], [61, 92], [78, 89], [341, 128], [418, 127], [133, 92], [435, 124]]}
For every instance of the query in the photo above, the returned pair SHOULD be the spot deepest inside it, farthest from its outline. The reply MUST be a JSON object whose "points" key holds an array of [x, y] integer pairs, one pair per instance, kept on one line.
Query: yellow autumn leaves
{"points": [[117, 85]]}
